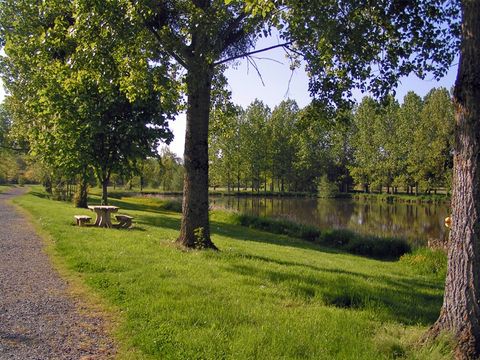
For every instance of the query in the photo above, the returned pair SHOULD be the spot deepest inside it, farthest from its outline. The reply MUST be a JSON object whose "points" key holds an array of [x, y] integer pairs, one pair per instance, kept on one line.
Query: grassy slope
{"points": [[4, 188], [263, 296]]}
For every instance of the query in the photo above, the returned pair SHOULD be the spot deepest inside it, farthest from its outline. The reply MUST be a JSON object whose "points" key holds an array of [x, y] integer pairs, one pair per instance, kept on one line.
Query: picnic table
{"points": [[103, 213]]}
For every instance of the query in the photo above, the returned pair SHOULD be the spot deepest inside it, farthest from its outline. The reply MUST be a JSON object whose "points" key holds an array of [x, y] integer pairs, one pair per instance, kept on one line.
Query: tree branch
{"points": [[170, 50], [294, 51], [231, 36], [252, 53], [177, 57], [251, 61]]}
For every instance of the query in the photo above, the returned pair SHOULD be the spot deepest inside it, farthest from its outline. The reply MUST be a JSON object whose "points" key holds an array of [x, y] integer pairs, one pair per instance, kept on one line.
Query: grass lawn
{"points": [[4, 188], [263, 296]]}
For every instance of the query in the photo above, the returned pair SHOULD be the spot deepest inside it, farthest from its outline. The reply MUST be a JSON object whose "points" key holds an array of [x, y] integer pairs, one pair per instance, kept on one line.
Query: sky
{"points": [[279, 84]]}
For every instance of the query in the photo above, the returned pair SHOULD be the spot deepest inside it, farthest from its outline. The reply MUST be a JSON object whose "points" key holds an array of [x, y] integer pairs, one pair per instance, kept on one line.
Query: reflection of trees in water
{"points": [[417, 222], [400, 220]]}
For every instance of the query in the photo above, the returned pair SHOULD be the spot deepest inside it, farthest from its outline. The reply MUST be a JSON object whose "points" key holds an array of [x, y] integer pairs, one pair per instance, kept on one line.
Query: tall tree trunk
{"points": [[105, 191], [460, 312], [81, 193], [195, 227]]}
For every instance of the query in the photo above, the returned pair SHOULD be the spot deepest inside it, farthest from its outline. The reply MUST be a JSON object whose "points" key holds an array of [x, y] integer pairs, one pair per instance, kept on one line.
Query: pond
{"points": [[416, 222]]}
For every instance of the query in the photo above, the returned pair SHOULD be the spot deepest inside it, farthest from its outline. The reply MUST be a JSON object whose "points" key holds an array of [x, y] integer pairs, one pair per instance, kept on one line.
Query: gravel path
{"points": [[38, 319]]}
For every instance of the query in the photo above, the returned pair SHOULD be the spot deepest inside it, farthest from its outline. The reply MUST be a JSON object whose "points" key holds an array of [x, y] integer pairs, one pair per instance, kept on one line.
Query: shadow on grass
{"points": [[404, 301], [39, 194], [243, 233], [160, 221], [430, 284]]}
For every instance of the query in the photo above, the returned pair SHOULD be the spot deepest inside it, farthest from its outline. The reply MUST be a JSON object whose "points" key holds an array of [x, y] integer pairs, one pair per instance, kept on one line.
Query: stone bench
{"points": [[125, 221], [82, 219]]}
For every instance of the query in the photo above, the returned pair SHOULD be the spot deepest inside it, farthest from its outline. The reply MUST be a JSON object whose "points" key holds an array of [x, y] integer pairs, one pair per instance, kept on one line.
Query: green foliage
{"points": [[431, 159], [426, 261], [69, 97], [346, 240], [378, 144], [389, 198], [326, 188], [372, 246], [370, 46], [228, 162], [409, 145], [172, 205], [284, 151], [275, 226]]}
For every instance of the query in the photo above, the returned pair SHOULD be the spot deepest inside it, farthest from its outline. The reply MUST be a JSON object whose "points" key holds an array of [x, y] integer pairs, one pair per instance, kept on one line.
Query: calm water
{"points": [[416, 222]]}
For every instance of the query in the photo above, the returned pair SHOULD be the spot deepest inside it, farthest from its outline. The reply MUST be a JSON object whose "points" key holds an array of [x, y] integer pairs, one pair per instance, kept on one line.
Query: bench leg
{"points": [[125, 224]]}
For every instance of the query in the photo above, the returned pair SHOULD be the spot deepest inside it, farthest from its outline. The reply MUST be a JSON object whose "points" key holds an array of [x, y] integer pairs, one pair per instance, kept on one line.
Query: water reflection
{"points": [[416, 222]]}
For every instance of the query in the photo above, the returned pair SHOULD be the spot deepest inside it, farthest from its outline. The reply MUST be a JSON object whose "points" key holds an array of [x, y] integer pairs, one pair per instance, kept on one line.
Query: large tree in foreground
{"points": [[460, 312]]}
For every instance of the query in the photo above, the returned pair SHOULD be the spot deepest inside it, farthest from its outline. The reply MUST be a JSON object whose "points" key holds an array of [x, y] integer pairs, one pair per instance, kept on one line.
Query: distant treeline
{"points": [[373, 146]]}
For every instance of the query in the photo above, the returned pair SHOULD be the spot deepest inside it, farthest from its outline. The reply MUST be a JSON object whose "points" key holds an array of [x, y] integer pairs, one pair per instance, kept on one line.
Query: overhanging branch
{"points": [[252, 53]]}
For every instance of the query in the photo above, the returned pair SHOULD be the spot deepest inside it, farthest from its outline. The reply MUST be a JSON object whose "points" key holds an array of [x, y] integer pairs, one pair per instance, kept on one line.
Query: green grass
{"points": [[263, 296], [4, 188]]}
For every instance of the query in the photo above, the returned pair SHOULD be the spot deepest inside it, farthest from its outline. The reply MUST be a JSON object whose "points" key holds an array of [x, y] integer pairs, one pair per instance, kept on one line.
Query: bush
{"points": [[172, 205], [383, 248], [372, 246], [346, 240], [426, 261], [275, 226], [327, 189]]}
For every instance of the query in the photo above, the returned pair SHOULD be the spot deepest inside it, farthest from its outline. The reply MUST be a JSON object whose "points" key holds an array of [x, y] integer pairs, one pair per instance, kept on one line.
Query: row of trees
{"points": [[408, 145], [376, 145], [286, 149]]}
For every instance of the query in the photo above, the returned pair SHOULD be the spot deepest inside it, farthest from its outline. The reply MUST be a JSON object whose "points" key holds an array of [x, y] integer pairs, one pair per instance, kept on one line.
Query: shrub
{"points": [[346, 240], [426, 261], [383, 248], [372, 246], [327, 189], [275, 226], [336, 237], [172, 205]]}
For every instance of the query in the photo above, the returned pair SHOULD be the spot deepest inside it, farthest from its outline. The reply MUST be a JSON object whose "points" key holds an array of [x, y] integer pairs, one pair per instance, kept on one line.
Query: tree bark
{"points": [[81, 193], [195, 227], [105, 191], [460, 312]]}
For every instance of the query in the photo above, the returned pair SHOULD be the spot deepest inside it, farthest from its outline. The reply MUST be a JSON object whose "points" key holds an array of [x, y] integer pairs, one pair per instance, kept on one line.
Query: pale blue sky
{"points": [[246, 86]]}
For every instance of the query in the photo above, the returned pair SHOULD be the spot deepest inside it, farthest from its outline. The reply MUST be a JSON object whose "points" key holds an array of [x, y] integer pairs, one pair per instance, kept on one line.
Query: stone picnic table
{"points": [[103, 213]]}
